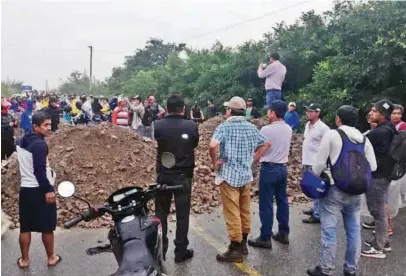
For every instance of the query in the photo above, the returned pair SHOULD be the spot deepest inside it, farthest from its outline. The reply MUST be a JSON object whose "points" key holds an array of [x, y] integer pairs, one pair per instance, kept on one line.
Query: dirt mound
{"points": [[99, 160], [102, 159]]}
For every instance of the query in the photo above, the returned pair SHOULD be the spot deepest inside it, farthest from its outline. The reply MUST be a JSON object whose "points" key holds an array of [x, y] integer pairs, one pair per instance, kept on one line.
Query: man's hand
{"points": [[217, 165], [50, 197], [11, 124]]}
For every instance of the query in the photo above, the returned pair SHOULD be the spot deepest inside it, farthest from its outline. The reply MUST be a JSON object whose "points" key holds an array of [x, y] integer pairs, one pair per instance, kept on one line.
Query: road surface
{"points": [[207, 237]]}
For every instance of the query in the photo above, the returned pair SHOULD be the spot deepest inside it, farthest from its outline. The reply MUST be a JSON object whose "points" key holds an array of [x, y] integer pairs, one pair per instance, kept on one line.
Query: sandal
{"points": [[57, 262], [22, 266]]}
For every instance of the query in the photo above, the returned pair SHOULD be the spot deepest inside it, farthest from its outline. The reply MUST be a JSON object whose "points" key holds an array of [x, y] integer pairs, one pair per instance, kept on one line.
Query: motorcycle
{"points": [[136, 238]]}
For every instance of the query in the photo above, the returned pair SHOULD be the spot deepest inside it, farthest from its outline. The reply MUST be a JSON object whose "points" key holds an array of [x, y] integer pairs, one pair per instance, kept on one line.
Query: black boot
{"points": [[311, 219], [258, 242], [316, 272], [244, 248], [183, 255], [281, 237], [232, 255]]}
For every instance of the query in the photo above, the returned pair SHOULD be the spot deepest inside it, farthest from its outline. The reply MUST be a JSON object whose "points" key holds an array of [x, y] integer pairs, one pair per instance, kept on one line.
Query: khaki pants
{"points": [[236, 208]]}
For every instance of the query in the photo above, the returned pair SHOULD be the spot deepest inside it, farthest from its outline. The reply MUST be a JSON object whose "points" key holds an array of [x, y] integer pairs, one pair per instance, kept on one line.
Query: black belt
{"points": [[274, 164]]}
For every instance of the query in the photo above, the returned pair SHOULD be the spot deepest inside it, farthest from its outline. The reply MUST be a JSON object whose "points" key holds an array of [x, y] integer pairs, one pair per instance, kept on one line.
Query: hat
{"points": [[236, 103], [292, 103], [385, 107], [313, 107], [249, 100], [137, 97]]}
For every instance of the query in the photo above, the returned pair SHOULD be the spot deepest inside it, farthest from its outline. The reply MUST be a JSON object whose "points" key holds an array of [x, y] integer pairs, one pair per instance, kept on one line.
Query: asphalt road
{"points": [[207, 237]]}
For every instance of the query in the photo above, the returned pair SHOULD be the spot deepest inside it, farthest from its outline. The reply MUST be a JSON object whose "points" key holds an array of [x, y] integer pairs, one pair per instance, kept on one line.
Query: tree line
{"points": [[352, 54]]}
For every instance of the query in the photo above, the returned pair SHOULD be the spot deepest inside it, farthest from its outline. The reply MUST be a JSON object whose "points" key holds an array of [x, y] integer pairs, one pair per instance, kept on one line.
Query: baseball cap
{"points": [[236, 103], [249, 100], [292, 104], [313, 107], [385, 107]]}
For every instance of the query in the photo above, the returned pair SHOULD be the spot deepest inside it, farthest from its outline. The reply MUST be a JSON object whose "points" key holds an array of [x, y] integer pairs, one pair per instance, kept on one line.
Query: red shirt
{"points": [[400, 126]]}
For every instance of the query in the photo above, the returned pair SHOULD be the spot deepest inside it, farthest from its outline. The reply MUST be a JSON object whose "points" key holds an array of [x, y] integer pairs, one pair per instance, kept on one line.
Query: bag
{"points": [[148, 117], [397, 152], [313, 186], [352, 171]]}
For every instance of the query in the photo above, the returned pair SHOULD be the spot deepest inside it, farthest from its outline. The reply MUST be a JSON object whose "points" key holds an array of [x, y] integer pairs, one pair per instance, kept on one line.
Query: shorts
{"points": [[35, 214]]}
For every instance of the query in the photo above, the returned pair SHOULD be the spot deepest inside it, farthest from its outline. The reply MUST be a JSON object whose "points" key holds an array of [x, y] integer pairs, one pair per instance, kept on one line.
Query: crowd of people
{"points": [[236, 144]]}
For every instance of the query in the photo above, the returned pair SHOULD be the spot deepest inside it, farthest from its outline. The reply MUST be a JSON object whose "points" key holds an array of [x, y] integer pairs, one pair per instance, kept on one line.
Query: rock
{"points": [[69, 149]]}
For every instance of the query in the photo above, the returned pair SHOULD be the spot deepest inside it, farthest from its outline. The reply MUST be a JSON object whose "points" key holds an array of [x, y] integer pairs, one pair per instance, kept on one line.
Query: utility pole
{"points": [[46, 86], [91, 64]]}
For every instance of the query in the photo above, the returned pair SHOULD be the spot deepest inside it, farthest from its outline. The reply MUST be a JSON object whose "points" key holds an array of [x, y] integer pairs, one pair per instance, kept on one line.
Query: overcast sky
{"points": [[46, 40]]}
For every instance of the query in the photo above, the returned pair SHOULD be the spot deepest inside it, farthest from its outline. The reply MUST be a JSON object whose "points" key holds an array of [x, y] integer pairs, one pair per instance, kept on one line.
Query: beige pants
{"points": [[236, 208]]}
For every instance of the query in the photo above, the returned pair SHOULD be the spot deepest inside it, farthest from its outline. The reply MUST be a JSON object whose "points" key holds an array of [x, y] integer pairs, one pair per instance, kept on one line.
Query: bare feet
{"points": [[56, 259], [23, 263]]}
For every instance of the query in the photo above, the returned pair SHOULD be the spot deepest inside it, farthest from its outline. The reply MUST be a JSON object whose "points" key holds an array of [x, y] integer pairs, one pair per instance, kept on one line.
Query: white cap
{"points": [[292, 103]]}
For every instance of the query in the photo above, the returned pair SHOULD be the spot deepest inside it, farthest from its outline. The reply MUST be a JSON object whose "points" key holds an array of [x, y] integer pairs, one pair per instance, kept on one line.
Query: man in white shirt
{"points": [[314, 132], [338, 203], [274, 75]]}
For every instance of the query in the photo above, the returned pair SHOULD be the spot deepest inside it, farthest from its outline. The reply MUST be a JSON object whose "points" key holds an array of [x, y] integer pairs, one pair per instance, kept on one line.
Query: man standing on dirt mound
{"points": [[180, 137]]}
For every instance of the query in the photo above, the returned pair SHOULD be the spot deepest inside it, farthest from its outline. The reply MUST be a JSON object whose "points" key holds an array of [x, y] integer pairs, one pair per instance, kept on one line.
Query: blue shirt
{"points": [[238, 141], [292, 119]]}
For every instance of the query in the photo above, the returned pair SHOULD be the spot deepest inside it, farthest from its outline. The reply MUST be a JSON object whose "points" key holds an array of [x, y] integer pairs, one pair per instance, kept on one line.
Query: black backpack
{"points": [[397, 152], [148, 117]]}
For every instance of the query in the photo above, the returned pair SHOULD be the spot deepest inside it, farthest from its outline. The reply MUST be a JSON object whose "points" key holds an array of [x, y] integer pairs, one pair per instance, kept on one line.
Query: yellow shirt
{"points": [[105, 109], [45, 103], [75, 110]]}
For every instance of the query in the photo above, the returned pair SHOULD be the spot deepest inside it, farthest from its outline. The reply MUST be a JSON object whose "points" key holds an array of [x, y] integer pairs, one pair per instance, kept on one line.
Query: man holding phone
{"points": [[274, 75]]}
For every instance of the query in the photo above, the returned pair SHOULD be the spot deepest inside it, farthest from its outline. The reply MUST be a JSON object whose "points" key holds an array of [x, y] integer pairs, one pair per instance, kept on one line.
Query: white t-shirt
{"points": [[312, 139]]}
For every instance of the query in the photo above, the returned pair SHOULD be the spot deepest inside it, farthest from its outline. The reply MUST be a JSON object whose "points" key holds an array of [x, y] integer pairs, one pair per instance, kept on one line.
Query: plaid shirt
{"points": [[238, 141]]}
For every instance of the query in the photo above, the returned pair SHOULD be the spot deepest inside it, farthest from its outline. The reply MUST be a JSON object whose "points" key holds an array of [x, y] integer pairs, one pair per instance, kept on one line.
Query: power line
{"points": [[245, 21]]}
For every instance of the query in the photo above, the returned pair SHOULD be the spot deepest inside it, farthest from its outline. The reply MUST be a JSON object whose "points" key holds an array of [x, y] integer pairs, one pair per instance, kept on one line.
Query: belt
{"points": [[274, 164]]}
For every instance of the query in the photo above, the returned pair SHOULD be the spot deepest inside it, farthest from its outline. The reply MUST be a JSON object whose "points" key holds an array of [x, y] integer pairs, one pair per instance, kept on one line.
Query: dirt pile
{"points": [[99, 160], [102, 159]]}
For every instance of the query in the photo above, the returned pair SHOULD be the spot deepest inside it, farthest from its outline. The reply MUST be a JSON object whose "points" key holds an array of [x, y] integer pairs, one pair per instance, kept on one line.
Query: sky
{"points": [[47, 40]]}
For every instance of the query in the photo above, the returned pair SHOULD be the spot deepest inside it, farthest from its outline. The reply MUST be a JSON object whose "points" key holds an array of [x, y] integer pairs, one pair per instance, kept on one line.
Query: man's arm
{"points": [[191, 115], [262, 145], [161, 111], [370, 155], [323, 154], [218, 137], [201, 114], [39, 156], [263, 73]]}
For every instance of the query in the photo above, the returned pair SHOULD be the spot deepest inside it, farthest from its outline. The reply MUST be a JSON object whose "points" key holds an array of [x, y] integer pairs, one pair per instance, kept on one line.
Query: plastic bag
{"points": [[394, 199]]}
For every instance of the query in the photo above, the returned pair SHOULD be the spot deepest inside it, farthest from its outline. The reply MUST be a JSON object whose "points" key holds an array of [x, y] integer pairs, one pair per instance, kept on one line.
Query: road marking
{"points": [[243, 267]]}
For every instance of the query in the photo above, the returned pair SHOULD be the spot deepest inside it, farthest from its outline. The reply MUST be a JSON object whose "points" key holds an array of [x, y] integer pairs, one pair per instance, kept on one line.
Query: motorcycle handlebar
{"points": [[73, 222], [170, 188]]}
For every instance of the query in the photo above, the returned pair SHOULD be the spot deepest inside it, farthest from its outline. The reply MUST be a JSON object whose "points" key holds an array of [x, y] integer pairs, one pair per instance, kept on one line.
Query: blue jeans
{"points": [[272, 94], [273, 182], [335, 204]]}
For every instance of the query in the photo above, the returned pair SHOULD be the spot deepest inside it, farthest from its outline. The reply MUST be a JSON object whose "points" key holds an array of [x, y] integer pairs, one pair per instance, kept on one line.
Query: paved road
{"points": [[207, 237]]}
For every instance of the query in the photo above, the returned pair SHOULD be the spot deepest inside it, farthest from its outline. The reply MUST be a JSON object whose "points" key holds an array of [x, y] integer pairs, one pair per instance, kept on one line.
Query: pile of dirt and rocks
{"points": [[101, 159]]}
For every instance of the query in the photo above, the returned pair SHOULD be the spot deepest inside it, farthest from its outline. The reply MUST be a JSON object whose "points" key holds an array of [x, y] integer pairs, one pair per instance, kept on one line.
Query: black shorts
{"points": [[35, 214]]}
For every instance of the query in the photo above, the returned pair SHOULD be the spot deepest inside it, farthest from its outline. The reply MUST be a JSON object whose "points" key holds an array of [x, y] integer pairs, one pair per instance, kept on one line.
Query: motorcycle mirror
{"points": [[168, 160], [66, 189]]}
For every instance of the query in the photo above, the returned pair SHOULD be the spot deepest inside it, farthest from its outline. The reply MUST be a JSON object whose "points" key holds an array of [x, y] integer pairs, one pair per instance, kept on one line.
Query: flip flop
{"points": [[19, 264], [57, 262]]}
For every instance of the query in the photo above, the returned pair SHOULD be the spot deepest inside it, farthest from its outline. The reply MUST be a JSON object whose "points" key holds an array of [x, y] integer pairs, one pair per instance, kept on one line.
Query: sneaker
{"points": [[386, 248], [390, 233], [371, 252], [368, 225], [311, 219], [316, 272], [258, 242]]}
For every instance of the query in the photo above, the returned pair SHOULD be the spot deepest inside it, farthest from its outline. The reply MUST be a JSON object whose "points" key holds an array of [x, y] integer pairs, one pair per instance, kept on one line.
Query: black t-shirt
{"points": [[196, 112], [211, 111], [176, 135]]}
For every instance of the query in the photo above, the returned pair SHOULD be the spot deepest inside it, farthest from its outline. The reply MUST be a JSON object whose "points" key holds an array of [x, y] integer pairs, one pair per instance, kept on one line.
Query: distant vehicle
{"points": [[18, 96]]}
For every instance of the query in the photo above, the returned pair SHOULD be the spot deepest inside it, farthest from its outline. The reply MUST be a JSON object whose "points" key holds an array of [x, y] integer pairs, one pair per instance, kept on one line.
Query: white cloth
{"points": [[312, 139]]}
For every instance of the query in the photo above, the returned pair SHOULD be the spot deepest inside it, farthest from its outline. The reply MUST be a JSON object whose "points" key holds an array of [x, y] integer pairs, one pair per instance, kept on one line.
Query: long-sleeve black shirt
{"points": [[180, 137], [381, 139]]}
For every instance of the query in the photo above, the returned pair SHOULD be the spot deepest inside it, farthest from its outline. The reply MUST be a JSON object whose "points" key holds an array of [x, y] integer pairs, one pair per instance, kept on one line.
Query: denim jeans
{"points": [[272, 183], [335, 204], [272, 94]]}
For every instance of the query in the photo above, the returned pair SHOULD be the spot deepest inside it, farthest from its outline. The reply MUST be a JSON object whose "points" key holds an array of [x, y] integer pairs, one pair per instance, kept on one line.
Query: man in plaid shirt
{"points": [[240, 144]]}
